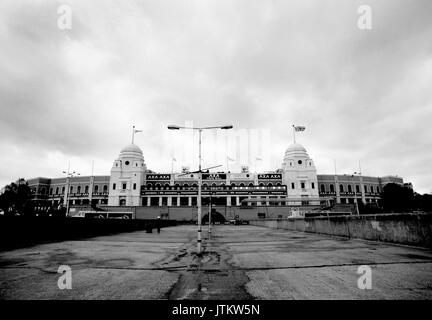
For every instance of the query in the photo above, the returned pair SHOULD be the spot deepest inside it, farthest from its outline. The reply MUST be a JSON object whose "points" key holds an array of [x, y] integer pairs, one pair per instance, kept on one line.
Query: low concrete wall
{"points": [[410, 229], [190, 213], [18, 232]]}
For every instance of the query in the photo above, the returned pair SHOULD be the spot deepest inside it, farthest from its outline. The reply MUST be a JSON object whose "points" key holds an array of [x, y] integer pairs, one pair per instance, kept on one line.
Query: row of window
{"points": [[350, 188], [78, 189], [124, 186], [302, 185], [213, 185]]}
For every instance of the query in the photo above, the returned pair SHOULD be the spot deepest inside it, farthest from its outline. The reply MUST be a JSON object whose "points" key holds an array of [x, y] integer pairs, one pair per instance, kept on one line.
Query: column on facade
{"points": [[363, 195], [237, 200], [148, 201], [228, 201], [169, 201], [190, 201], [338, 200], [178, 201], [160, 201], [90, 195]]}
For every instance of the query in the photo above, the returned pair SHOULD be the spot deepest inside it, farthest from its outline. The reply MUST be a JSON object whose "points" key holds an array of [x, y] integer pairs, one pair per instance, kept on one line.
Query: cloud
{"points": [[74, 94]]}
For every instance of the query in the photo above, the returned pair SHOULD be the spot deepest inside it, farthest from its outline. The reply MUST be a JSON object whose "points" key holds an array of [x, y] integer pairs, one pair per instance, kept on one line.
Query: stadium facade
{"points": [[132, 184]]}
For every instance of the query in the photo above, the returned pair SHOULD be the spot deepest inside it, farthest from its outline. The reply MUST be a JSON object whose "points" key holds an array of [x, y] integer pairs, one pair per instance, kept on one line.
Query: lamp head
{"points": [[173, 127]]}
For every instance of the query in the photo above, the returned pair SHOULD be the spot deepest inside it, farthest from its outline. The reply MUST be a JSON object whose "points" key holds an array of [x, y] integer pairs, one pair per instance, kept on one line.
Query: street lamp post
{"points": [[200, 129], [69, 175], [210, 214]]}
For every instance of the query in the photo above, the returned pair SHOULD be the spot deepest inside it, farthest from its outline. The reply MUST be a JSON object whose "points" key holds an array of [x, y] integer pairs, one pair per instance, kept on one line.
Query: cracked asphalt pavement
{"points": [[239, 262]]}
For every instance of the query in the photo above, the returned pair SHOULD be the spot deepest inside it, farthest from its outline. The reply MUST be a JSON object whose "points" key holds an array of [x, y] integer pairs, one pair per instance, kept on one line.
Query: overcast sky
{"points": [[73, 95]]}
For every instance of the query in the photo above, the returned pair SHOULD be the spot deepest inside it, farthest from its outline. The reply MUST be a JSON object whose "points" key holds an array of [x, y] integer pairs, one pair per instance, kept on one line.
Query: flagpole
{"points": [[133, 133], [294, 133]]}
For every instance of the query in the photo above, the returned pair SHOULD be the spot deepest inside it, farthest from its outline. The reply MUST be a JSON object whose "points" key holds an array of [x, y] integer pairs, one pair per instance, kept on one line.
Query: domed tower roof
{"points": [[294, 151], [295, 147], [131, 150]]}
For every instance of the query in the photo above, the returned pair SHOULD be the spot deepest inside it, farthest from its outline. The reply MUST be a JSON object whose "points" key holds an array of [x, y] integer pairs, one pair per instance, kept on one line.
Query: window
{"points": [[63, 190], [71, 189], [365, 188], [79, 189], [331, 188], [371, 187], [124, 186], [96, 189], [127, 163], [292, 185], [313, 185], [105, 188], [357, 188], [349, 188], [299, 162], [341, 188], [302, 185], [51, 190], [134, 186], [322, 188], [86, 189], [114, 186], [57, 190]]}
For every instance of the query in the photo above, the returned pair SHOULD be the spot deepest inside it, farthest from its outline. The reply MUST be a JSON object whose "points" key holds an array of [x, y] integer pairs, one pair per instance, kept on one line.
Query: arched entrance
{"points": [[215, 217]]}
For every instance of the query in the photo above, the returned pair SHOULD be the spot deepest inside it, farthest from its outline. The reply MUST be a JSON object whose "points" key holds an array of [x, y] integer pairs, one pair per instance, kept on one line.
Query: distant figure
{"points": [[158, 224]]}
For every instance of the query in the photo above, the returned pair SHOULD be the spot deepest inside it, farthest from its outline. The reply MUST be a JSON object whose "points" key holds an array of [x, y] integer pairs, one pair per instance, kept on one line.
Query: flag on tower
{"points": [[137, 130], [299, 128]]}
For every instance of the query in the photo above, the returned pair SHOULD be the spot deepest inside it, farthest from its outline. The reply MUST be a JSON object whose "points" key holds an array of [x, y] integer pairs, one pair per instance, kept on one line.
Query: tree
{"points": [[397, 198], [16, 198], [423, 202]]}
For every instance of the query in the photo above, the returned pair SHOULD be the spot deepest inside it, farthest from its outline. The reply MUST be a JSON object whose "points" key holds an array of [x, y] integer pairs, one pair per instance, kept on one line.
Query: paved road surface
{"points": [[240, 262]]}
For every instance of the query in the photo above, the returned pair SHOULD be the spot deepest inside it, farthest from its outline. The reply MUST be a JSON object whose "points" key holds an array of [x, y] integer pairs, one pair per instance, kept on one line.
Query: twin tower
{"points": [[128, 174]]}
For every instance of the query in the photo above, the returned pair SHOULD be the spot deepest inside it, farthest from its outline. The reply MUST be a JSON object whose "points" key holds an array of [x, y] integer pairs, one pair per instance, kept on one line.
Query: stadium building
{"points": [[131, 184]]}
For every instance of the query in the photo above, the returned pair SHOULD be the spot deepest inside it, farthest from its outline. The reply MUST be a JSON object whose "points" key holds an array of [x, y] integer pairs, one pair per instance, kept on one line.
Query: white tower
{"points": [[127, 175], [299, 175]]}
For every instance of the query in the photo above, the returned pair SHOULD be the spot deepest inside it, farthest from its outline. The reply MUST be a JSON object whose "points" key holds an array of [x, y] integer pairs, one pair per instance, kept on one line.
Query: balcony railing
{"points": [[212, 188]]}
